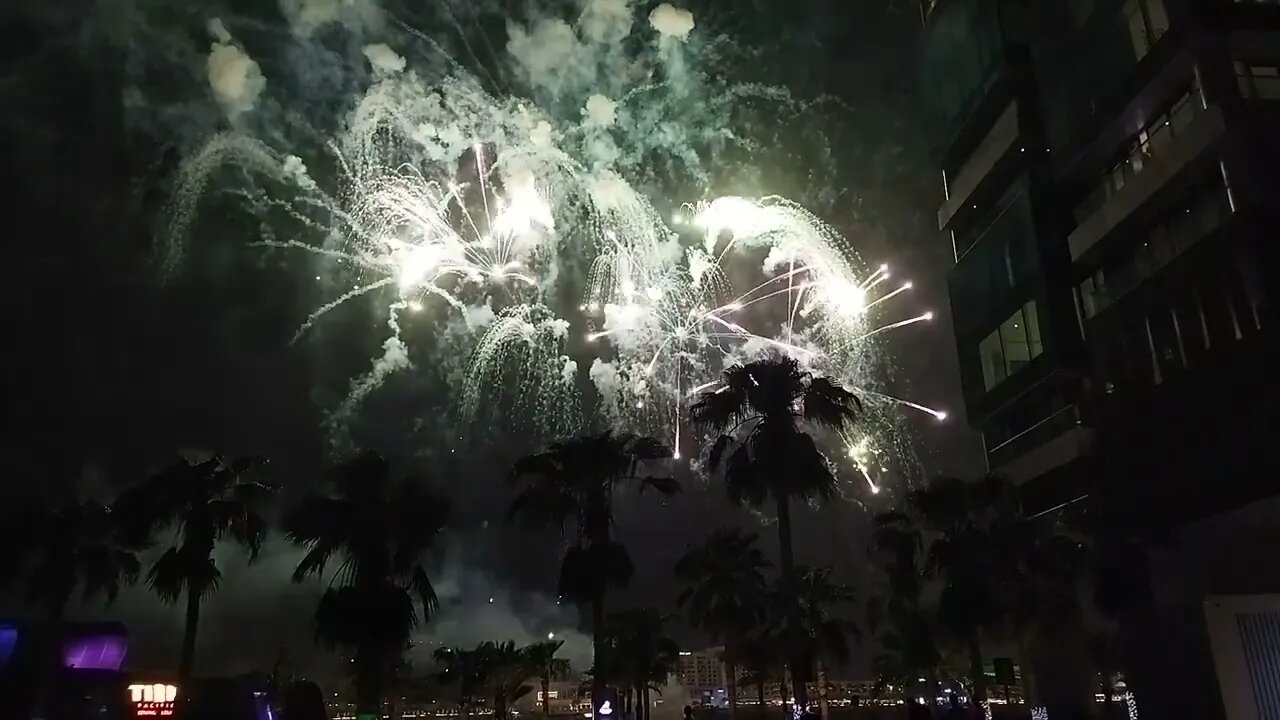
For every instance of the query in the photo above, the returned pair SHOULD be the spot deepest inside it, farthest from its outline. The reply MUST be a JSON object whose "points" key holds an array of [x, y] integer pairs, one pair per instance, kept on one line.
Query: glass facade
{"points": [[1103, 58], [1176, 332], [1185, 225], [1258, 80], [1012, 346], [963, 49], [996, 256], [1149, 144]]}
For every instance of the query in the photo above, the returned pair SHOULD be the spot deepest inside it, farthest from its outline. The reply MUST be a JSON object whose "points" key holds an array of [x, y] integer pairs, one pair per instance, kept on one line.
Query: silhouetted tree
{"points": [[640, 652], [506, 668], [380, 530], [761, 411], [724, 594], [205, 502], [53, 551], [973, 537], [826, 635], [573, 482], [464, 670], [543, 657]]}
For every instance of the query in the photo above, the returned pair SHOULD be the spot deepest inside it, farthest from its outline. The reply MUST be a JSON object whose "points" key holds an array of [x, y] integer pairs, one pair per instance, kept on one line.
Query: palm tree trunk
{"points": [[977, 673], [187, 663], [597, 651], [368, 684], [824, 707], [787, 556], [731, 680], [546, 694], [52, 663], [760, 691], [646, 701]]}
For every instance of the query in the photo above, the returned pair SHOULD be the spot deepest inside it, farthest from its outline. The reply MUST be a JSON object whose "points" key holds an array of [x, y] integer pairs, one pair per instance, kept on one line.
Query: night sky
{"points": [[110, 367]]}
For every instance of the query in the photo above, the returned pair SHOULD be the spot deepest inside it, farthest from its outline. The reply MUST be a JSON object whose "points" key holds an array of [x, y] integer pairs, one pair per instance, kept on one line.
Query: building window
{"points": [[1148, 22], [1168, 239], [1150, 143], [1012, 346], [1261, 81], [1093, 295]]}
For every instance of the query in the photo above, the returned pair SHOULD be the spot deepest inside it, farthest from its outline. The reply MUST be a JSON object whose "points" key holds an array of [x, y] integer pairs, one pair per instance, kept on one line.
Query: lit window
{"points": [[1011, 346], [1150, 142], [1258, 81], [993, 371], [1148, 22]]}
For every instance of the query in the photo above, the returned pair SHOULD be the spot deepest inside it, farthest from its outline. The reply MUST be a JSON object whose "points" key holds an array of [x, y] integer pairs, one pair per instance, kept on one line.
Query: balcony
{"points": [[999, 139], [1051, 443], [1202, 133]]}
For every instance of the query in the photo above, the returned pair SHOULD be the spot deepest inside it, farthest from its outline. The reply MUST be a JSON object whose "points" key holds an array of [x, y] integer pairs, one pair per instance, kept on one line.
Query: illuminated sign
{"points": [[605, 704], [153, 700]]}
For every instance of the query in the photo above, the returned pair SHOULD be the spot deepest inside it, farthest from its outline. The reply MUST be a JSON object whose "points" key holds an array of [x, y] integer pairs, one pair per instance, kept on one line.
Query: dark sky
{"points": [[108, 370]]}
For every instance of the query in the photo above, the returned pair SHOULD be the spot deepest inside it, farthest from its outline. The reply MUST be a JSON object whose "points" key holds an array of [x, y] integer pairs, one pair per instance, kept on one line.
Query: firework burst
{"points": [[520, 242]]}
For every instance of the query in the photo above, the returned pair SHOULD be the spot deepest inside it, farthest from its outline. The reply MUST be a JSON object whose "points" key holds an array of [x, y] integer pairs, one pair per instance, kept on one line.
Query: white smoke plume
{"points": [[383, 59], [234, 77], [600, 111], [307, 16], [606, 21], [548, 54], [671, 21]]}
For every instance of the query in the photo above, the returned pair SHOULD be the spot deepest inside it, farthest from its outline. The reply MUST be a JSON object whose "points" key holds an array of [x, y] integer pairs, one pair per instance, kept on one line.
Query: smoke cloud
{"points": [[672, 21], [383, 58], [234, 77]]}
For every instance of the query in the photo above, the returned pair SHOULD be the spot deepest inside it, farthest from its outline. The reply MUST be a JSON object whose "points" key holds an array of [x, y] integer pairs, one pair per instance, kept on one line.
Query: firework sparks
{"points": [[489, 228]]}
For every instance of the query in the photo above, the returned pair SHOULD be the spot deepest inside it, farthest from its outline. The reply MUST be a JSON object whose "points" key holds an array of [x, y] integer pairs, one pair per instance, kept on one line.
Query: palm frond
{"points": [[828, 405]]}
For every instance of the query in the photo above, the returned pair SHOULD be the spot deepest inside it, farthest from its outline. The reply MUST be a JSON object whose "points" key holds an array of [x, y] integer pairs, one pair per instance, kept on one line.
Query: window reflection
{"points": [[1012, 346], [1148, 145], [1258, 80], [1170, 237]]}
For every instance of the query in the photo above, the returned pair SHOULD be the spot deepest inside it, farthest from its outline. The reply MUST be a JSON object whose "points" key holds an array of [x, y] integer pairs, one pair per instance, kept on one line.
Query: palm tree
{"points": [[506, 668], [465, 669], [56, 550], [905, 626], [759, 662], [543, 657], [973, 538], [640, 652], [826, 636], [724, 591], [206, 502], [574, 481], [380, 530], [761, 410]]}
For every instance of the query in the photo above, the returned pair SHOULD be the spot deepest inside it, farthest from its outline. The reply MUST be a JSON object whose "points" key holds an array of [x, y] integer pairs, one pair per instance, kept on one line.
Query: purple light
{"points": [[95, 652], [8, 641]]}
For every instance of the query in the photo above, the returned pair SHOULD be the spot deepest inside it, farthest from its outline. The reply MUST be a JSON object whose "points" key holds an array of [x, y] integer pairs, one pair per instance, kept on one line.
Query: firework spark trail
{"points": [[530, 219]]}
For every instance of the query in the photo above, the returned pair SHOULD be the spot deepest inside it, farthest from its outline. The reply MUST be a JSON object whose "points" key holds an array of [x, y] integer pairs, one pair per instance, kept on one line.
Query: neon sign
{"points": [[152, 700]]}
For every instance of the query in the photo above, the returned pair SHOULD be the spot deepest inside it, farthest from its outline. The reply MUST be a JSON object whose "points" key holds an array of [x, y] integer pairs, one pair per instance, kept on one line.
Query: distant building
{"points": [[564, 698], [702, 673]]}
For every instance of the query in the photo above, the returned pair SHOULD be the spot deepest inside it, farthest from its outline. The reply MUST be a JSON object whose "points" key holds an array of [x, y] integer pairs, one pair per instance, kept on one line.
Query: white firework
{"points": [[484, 224]]}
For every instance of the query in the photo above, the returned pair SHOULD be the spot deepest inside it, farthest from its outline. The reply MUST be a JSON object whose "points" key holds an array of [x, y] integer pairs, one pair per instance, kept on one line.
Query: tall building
{"points": [[1107, 171]]}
